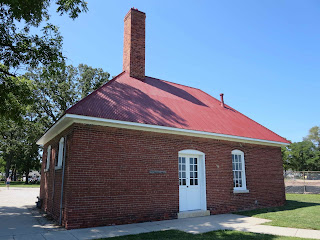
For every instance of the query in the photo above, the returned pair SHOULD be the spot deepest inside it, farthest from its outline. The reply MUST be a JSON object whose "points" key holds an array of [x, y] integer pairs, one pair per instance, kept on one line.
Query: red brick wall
{"points": [[50, 186], [108, 179], [134, 44]]}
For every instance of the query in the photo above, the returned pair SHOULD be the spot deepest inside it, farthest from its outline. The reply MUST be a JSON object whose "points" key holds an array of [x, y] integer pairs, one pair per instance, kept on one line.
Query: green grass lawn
{"points": [[19, 184], [300, 211], [221, 235]]}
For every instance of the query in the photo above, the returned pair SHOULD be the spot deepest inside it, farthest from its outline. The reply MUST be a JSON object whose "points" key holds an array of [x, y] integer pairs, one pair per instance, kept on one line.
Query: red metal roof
{"points": [[157, 102]]}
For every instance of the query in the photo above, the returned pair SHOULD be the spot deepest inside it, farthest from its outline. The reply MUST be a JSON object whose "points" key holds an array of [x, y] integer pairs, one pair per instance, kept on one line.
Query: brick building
{"points": [[143, 149]]}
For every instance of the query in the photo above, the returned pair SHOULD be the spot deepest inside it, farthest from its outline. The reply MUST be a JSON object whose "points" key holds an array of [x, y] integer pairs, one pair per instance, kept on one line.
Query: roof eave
{"points": [[68, 119]]}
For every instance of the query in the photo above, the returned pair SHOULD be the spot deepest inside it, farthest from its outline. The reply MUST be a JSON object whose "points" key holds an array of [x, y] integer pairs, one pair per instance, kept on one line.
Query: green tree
{"points": [[90, 79], [314, 136], [20, 50], [18, 144], [2, 164], [301, 156], [55, 93]]}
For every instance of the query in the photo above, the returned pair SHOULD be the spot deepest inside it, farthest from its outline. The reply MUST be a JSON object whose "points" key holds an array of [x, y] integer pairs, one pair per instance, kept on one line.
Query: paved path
{"points": [[19, 221]]}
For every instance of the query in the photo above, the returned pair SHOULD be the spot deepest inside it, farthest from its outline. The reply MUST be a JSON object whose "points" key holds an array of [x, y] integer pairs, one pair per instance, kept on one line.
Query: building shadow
{"points": [[170, 88], [120, 101], [289, 205], [23, 220]]}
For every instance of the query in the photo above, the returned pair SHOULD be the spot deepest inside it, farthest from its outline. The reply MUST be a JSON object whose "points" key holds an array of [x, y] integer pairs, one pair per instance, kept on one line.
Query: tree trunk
{"points": [[27, 176], [8, 165], [15, 174]]}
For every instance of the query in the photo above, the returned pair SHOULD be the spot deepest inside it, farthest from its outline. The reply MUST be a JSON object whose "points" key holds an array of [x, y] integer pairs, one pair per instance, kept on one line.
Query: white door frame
{"points": [[202, 167]]}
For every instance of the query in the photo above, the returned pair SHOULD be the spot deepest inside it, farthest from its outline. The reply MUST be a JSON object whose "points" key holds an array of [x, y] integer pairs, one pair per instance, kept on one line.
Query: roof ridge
{"points": [[225, 104], [246, 116], [174, 83]]}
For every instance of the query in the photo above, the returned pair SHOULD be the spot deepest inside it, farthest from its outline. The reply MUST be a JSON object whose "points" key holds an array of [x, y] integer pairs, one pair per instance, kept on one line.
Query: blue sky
{"points": [[263, 55]]}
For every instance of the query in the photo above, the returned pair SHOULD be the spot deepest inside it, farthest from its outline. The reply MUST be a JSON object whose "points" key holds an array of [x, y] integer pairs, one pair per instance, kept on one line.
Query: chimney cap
{"points": [[136, 9]]}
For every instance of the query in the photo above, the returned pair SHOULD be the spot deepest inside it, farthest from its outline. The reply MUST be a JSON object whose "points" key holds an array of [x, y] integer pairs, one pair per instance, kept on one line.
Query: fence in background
{"points": [[302, 182]]}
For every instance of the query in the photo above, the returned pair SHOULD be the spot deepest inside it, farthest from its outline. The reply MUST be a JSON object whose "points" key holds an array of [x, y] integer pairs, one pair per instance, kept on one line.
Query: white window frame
{"points": [[242, 189], [60, 153], [48, 158]]}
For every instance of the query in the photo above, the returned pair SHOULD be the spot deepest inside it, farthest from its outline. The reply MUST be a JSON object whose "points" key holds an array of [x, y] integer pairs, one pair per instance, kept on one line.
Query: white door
{"points": [[189, 183]]}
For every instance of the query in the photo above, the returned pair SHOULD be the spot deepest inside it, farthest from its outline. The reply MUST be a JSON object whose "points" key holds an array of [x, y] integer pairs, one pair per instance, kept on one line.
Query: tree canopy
{"points": [[55, 93], [36, 85], [314, 136], [52, 94], [305, 155], [21, 50]]}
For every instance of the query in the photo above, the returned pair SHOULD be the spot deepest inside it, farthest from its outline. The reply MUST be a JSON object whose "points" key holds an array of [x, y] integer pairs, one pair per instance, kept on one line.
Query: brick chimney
{"points": [[134, 43]]}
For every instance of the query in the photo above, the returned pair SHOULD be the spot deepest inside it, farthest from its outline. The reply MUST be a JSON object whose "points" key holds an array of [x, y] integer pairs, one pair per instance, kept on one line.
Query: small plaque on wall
{"points": [[157, 172]]}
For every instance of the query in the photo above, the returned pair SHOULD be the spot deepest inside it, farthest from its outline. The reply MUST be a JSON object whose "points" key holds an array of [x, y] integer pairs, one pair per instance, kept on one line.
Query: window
{"points": [[193, 171], [48, 158], [60, 153], [238, 168], [185, 173], [182, 171]]}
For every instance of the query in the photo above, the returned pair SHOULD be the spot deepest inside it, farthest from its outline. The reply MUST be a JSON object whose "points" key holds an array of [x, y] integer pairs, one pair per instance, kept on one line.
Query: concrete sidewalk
{"points": [[190, 225]]}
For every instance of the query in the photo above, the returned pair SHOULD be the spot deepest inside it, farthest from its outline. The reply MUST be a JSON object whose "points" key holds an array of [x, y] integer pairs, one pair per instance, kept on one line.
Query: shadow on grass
{"points": [[177, 235], [289, 205]]}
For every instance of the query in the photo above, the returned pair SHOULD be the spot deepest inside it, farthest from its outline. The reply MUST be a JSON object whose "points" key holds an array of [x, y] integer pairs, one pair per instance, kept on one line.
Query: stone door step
{"points": [[194, 213]]}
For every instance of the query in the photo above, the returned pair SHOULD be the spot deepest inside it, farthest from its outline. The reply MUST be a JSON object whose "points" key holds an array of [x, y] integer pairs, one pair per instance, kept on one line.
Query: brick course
{"points": [[107, 179]]}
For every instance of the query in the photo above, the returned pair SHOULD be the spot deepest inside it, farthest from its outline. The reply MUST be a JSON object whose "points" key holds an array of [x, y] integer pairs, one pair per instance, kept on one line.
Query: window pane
{"points": [[196, 174], [179, 174], [183, 182], [196, 182], [232, 157], [191, 174], [240, 166], [191, 181], [195, 167], [183, 160], [233, 166], [191, 167], [183, 174], [191, 160], [179, 159], [236, 158], [195, 161], [183, 167], [239, 157], [179, 181]]}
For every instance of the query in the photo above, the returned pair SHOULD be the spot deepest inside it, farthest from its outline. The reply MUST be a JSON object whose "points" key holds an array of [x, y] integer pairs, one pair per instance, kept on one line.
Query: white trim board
{"points": [[69, 119]]}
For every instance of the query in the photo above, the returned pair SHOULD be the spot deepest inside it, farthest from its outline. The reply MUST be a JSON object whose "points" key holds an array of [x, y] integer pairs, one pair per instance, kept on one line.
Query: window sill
{"points": [[240, 191], [58, 167]]}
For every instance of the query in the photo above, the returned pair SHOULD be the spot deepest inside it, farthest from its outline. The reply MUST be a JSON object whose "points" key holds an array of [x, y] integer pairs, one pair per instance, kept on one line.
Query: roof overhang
{"points": [[68, 119]]}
